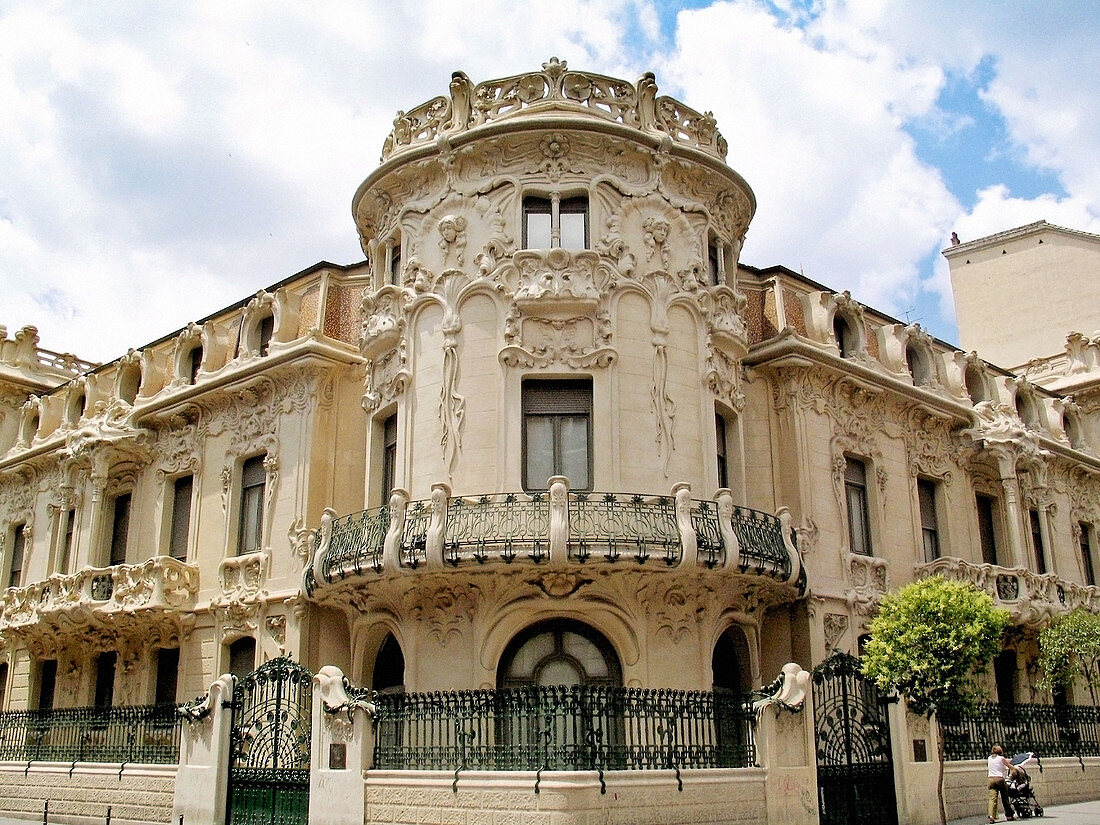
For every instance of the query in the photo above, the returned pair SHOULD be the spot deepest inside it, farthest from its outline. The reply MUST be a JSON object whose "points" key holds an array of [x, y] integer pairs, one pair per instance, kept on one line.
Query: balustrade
{"points": [[1049, 730], [143, 734]]}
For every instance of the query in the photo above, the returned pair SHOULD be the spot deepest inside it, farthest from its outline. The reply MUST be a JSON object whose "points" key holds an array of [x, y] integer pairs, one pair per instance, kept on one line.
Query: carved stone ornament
{"points": [[835, 626], [868, 578], [242, 580], [447, 610], [582, 341]]}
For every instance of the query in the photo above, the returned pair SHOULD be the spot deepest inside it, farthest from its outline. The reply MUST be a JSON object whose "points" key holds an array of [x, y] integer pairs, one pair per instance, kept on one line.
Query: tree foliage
{"points": [[931, 641], [1069, 648]]}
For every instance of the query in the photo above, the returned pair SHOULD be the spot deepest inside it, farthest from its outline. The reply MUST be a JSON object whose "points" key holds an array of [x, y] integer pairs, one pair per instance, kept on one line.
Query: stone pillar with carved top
{"points": [[340, 751], [785, 749], [202, 778]]}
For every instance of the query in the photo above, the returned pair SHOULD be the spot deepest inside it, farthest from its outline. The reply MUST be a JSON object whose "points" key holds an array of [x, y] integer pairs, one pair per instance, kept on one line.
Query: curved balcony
{"points": [[557, 528], [111, 600], [1032, 599]]}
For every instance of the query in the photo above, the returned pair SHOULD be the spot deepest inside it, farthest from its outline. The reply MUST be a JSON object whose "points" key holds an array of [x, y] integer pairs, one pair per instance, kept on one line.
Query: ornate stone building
{"points": [[551, 431]]}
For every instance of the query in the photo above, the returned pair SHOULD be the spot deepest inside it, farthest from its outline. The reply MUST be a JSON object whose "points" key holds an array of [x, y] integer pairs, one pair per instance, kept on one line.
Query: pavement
{"points": [[1077, 813]]}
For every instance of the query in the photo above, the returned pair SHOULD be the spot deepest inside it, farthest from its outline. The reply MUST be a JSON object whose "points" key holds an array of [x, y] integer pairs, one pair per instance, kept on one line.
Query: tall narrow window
{"points": [[395, 262], [265, 333], [557, 417], [47, 683], [555, 222], [1004, 673], [389, 456], [3, 684], [67, 524], [1086, 555], [168, 666], [253, 485], [389, 667], [1037, 541], [120, 529], [859, 521], [18, 551], [926, 498], [194, 364], [714, 262], [846, 341], [720, 445], [182, 490], [987, 531], [242, 657], [105, 679]]}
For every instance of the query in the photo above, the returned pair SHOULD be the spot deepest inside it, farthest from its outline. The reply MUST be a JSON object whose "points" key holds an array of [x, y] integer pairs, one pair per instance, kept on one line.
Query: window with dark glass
{"points": [[194, 364], [264, 334], [1004, 673], [68, 529], [1087, 567], [3, 684], [720, 445], [389, 457], [242, 657], [987, 532], [47, 683], [120, 529], [557, 432], [559, 652], [182, 491], [1037, 541], [18, 552], [926, 499], [395, 262], [859, 516], [105, 679], [714, 262], [389, 667], [555, 222], [168, 667], [253, 485]]}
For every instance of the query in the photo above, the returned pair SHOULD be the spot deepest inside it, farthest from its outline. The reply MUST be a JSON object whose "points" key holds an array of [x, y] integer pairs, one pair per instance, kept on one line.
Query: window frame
{"points": [[928, 512], [989, 542], [856, 493], [389, 456], [175, 529], [1038, 545], [549, 398], [555, 206], [18, 552], [1084, 547], [118, 540], [249, 529]]}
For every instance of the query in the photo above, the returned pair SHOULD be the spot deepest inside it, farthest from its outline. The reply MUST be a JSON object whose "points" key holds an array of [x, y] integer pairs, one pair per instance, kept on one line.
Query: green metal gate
{"points": [[855, 769], [269, 746]]}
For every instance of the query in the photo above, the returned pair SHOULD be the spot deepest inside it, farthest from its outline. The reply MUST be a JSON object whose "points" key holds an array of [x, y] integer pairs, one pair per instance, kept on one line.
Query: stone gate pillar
{"points": [[203, 776], [785, 749], [340, 750]]}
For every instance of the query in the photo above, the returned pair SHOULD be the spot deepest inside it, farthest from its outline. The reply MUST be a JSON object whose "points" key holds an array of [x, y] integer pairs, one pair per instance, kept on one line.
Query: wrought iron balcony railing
{"points": [[555, 527], [1049, 730], [564, 728], [1031, 598], [145, 734]]}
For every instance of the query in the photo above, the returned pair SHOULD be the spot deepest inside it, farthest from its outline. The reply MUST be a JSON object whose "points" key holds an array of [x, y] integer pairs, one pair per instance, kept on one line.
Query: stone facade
{"points": [[551, 411]]}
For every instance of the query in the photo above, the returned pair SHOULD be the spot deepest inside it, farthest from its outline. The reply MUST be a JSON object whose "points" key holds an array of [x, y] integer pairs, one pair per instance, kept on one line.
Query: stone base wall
{"points": [[81, 794], [1061, 781], [716, 796]]}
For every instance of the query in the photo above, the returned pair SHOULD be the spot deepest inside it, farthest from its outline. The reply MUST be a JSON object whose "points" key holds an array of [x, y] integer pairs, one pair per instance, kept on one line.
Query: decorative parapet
{"points": [[555, 88], [557, 528], [100, 600], [1032, 599], [242, 580], [20, 356]]}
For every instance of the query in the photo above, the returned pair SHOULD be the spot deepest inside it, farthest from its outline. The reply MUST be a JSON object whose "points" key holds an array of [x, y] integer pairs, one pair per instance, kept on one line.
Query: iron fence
{"points": [[143, 734], [1049, 730], [612, 524], [503, 526], [564, 728], [357, 543]]}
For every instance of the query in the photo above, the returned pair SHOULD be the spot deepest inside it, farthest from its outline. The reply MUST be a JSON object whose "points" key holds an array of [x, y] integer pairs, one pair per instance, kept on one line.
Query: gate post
{"points": [[341, 749], [915, 740], [785, 745], [203, 773]]}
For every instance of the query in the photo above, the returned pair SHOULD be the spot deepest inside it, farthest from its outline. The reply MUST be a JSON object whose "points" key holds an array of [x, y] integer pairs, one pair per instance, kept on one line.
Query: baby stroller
{"points": [[1020, 795]]}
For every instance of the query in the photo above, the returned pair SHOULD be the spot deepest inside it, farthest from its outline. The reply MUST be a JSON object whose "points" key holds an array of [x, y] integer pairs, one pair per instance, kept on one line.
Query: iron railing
{"points": [[600, 527], [1049, 730], [562, 728], [143, 734]]}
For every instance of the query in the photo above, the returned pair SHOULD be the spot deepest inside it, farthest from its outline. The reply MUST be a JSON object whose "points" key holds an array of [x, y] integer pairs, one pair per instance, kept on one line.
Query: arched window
{"points": [[975, 384], [75, 408], [730, 666], [846, 339], [242, 656], [919, 364], [389, 667], [559, 652], [128, 383]]}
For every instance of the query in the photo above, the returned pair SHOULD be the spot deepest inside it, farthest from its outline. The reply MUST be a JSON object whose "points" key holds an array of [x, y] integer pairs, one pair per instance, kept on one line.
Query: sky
{"points": [[160, 161]]}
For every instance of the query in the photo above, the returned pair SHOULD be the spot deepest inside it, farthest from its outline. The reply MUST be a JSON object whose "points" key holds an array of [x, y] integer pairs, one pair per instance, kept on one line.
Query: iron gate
{"points": [[269, 746], [855, 772]]}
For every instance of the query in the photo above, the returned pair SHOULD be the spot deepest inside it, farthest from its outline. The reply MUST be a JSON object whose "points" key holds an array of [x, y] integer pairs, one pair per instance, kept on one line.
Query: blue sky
{"points": [[161, 161]]}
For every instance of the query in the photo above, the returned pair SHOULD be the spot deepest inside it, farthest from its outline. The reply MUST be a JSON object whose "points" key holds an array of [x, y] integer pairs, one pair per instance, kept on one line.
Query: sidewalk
{"points": [[1078, 813]]}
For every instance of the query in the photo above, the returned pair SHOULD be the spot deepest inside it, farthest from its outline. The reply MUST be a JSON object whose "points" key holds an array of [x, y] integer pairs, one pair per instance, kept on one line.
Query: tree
{"points": [[1070, 648], [931, 641]]}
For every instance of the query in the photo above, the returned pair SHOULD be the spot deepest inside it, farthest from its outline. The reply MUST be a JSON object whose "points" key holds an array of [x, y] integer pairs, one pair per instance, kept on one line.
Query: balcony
{"points": [[112, 600], [555, 528], [1032, 599]]}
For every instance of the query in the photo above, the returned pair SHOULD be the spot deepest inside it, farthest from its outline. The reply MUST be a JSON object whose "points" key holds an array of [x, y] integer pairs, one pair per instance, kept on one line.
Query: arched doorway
{"points": [[388, 675], [559, 652], [731, 675]]}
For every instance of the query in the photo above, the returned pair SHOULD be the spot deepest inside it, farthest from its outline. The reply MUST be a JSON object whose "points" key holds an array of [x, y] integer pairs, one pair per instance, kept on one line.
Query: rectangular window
{"points": [[120, 529], [395, 262], [168, 667], [3, 684], [1037, 542], [253, 486], [859, 516], [47, 683], [1004, 673], [389, 457], [242, 657], [555, 222], [714, 262], [196, 365], [557, 432], [182, 491], [65, 552], [926, 498], [18, 551], [1087, 567], [105, 679], [987, 531], [720, 444]]}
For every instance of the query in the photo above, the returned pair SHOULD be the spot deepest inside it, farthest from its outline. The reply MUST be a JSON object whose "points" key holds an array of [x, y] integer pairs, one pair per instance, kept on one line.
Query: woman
{"points": [[999, 770]]}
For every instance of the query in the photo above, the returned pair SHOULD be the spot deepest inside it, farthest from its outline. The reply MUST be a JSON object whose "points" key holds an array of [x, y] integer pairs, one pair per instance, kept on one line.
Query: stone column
{"points": [[785, 749], [202, 779], [1011, 484], [341, 748], [913, 744]]}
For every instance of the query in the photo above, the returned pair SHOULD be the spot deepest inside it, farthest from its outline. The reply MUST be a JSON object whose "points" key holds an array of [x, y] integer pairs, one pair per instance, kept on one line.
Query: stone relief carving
{"points": [[242, 581], [868, 577], [835, 626], [446, 609]]}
